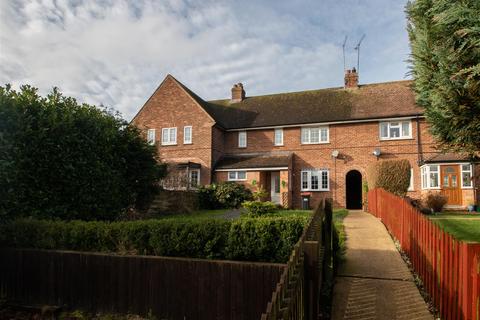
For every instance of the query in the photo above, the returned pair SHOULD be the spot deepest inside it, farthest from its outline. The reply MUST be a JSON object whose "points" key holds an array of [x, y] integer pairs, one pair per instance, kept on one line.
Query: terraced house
{"points": [[300, 146]]}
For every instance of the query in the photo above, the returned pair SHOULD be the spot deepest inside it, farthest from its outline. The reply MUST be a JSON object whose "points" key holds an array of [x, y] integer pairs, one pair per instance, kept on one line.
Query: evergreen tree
{"points": [[445, 64]]}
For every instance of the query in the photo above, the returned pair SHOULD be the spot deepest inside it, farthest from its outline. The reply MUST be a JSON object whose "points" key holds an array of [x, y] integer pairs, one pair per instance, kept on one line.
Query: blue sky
{"points": [[116, 52]]}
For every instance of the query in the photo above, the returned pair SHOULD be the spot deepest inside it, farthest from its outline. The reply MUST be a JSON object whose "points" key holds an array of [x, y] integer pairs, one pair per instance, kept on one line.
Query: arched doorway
{"points": [[354, 189]]}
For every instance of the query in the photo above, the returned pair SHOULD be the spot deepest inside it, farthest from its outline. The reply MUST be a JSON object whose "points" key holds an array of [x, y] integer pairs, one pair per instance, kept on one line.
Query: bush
{"points": [[207, 198], [62, 159], [435, 201], [254, 239], [391, 175], [258, 208], [231, 194]]}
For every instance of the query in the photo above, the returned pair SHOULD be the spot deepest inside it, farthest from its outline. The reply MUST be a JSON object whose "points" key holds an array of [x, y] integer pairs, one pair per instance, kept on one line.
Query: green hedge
{"points": [[253, 239]]}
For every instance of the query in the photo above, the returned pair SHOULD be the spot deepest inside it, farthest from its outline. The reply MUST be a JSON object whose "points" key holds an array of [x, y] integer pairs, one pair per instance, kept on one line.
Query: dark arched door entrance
{"points": [[354, 189]]}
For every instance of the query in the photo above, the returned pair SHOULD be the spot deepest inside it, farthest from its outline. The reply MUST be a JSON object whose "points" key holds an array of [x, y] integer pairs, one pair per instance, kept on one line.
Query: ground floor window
{"points": [[194, 177], [315, 180], [237, 175], [467, 176], [430, 177]]}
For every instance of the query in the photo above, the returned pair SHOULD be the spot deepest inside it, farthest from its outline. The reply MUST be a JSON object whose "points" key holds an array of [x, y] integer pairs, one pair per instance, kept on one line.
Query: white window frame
{"points": [[236, 174], [400, 125], [166, 133], [318, 173], [471, 175], [151, 137], [425, 177], [307, 133], [185, 140], [242, 143], [190, 178], [411, 186], [280, 131]]}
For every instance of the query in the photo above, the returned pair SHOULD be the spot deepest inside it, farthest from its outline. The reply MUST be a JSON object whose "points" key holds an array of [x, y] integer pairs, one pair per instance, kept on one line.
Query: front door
{"points": [[450, 178], [275, 187]]}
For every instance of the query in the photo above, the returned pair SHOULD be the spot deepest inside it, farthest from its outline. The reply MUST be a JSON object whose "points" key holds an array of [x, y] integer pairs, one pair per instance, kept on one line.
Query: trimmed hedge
{"points": [[391, 175], [268, 239], [259, 208]]}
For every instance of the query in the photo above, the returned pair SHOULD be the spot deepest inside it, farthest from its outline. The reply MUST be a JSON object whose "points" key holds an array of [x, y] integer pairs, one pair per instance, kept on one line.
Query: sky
{"points": [[116, 52]]}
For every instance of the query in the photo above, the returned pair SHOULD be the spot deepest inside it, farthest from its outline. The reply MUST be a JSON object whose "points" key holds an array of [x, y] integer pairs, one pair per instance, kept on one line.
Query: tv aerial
{"points": [[357, 47]]}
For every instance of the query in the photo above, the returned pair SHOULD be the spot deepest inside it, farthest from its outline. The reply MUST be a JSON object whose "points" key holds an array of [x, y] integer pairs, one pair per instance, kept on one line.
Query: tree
{"points": [[445, 64], [61, 159]]}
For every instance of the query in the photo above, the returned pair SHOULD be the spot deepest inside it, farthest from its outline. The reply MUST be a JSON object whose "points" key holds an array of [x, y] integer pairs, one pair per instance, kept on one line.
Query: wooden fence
{"points": [[170, 288], [449, 268], [297, 294]]}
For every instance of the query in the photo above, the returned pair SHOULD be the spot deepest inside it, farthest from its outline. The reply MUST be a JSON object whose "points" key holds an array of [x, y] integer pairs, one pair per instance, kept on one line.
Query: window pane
{"points": [[241, 175], [314, 181], [314, 135], [445, 181], [242, 139], [304, 180], [466, 179], [173, 135], [433, 168], [324, 134], [277, 184], [394, 132], [454, 181], [278, 136], [305, 135], [465, 167], [405, 129], [384, 130], [325, 180], [231, 175], [187, 132], [433, 180], [164, 135]]}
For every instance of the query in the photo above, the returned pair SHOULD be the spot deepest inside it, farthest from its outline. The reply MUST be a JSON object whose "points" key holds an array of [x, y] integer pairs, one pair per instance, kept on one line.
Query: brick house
{"points": [[301, 145]]}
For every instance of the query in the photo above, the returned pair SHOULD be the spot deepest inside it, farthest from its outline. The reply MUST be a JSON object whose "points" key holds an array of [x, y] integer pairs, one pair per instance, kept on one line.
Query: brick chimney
{"points": [[351, 79], [238, 94]]}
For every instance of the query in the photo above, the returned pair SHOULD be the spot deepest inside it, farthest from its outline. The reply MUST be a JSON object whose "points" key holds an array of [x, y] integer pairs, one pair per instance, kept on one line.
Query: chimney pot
{"points": [[238, 94], [351, 79]]}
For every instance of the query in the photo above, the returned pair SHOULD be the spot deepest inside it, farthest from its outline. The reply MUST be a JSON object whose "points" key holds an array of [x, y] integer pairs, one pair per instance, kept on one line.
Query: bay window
{"points": [[430, 175], [467, 176]]}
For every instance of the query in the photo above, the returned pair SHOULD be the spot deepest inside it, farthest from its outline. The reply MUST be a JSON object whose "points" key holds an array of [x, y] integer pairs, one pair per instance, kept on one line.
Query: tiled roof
{"points": [[449, 157], [383, 100], [254, 161]]}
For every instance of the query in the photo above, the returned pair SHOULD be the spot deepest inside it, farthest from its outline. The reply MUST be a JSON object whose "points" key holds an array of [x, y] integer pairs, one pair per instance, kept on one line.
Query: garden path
{"points": [[374, 282]]}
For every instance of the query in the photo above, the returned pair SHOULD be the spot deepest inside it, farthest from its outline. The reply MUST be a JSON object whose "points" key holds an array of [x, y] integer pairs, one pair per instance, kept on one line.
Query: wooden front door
{"points": [[450, 184]]}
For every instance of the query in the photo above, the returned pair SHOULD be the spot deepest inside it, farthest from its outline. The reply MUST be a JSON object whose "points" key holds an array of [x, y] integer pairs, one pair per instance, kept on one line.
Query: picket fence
{"points": [[449, 268]]}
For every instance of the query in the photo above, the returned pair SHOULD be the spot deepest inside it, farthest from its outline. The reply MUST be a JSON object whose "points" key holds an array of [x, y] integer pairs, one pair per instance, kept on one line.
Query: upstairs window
{"points": [[430, 175], [278, 137], [242, 139], [392, 130], [187, 135], [467, 176], [169, 136], [315, 135], [237, 175], [315, 180], [151, 136]]}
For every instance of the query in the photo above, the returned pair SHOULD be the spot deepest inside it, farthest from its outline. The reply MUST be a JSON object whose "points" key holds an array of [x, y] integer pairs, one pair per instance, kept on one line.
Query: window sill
{"points": [[307, 143], [466, 188], [396, 139], [308, 190], [169, 144], [237, 180], [187, 143]]}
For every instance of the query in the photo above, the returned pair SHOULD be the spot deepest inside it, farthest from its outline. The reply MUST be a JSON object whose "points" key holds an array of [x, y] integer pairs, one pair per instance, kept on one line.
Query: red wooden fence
{"points": [[449, 268]]}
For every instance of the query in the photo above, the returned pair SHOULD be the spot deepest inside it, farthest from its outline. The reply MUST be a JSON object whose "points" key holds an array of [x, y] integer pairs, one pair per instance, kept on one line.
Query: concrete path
{"points": [[374, 282]]}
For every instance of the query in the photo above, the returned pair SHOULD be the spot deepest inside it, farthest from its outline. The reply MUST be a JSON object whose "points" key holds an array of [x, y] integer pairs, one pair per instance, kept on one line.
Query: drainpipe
{"points": [[419, 147]]}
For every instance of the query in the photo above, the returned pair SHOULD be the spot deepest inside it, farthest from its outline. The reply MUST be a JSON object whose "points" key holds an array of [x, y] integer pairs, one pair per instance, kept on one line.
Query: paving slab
{"points": [[374, 282]]}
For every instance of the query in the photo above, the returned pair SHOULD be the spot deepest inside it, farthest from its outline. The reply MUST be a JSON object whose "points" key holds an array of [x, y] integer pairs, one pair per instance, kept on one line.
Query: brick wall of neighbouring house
{"points": [[355, 142], [171, 106]]}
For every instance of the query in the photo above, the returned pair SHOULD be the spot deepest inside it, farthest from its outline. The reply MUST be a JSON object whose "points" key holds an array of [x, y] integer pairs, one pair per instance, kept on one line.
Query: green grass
{"points": [[461, 228], [338, 216]]}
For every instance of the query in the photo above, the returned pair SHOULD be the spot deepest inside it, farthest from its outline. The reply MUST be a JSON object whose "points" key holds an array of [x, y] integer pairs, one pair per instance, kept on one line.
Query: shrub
{"points": [[231, 194], [207, 198], [258, 208], [260, 195], [435, 201], [391, 175], [255, 239]]}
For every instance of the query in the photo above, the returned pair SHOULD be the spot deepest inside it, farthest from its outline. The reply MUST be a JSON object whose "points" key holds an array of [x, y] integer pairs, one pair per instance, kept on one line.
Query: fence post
{"points": [[312, 279]]}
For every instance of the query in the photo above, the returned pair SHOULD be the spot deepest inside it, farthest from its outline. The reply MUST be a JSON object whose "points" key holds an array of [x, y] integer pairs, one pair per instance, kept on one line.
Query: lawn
{"points": [[464, 227]]}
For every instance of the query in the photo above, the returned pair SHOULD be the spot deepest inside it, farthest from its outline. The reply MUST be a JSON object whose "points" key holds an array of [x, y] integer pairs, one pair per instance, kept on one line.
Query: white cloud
{"points": [[117, 52]]}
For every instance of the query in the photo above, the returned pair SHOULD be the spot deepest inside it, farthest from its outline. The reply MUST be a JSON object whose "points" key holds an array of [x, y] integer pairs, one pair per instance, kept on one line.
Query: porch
{"points": [[268, 172]]}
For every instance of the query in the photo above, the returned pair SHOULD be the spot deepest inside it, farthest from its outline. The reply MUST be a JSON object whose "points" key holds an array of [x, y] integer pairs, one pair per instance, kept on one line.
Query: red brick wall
{"points": [[171, 106], [355, 142]]}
